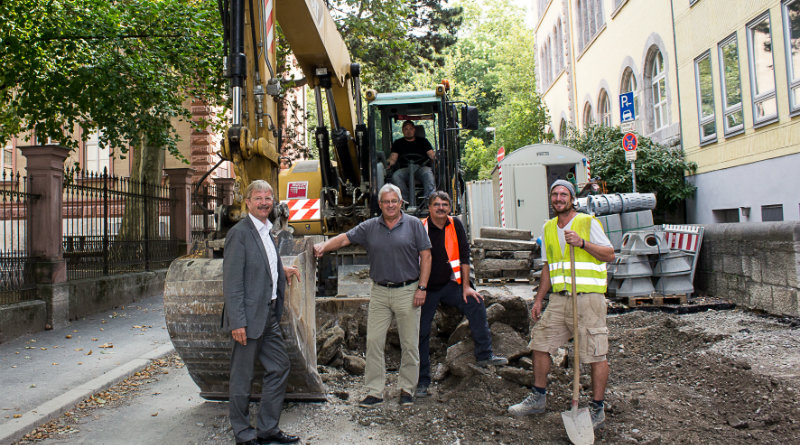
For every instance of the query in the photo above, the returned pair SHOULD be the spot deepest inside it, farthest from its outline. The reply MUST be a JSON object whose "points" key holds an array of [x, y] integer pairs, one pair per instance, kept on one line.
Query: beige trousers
{"points": [[384, 304]]}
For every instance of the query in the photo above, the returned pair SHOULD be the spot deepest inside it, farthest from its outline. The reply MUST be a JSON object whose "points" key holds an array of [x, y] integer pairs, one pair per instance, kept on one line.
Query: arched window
{"points": [[590, 20], [560, 45], [588, 117], [562, 129], [658, 91], [604, 109], [549, 54], [629, 84]]}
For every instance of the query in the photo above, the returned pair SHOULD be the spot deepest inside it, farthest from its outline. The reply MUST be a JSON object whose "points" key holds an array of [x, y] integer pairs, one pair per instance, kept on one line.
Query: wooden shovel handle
{"points": [[576, 364]]}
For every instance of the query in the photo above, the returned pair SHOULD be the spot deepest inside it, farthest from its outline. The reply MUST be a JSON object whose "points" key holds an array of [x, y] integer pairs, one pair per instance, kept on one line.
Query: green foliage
{"points": [[392, 39], [491, 67], [659, 169], [478, 160], [125, 67]]}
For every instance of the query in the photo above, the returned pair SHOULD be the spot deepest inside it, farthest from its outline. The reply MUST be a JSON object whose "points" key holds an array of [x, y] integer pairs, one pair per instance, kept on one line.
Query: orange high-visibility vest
{"points": [[450, 246]]}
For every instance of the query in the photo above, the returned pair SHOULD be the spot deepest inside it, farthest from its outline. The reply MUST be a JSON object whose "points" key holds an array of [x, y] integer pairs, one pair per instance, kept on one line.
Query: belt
{"points": [[569, 293], [392, 285]]}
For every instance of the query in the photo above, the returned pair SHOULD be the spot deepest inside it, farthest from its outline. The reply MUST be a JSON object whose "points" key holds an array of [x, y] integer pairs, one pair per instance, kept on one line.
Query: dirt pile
{"points": [[713, 377]]}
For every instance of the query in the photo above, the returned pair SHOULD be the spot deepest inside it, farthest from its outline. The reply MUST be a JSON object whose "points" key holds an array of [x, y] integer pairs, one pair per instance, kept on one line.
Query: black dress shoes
{"points": [[279, 437]]}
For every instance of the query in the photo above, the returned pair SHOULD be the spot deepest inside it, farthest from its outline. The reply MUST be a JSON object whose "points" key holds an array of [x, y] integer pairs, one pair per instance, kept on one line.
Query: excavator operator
{"points": [[412, 148]]}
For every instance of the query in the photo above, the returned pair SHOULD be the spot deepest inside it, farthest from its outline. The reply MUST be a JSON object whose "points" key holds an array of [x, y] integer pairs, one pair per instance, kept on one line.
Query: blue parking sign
{"points": [[627, 112]]}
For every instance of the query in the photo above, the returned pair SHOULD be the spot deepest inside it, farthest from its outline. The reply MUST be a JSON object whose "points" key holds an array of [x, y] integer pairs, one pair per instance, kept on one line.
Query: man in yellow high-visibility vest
{"points": [[592, 251]]}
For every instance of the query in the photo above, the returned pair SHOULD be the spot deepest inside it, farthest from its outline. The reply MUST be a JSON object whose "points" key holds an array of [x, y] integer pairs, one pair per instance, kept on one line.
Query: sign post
{"points": [[629, 143], [627, 111]]}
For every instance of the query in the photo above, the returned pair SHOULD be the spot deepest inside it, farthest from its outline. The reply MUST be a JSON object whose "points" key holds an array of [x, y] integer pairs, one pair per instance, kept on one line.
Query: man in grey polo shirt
{"points": [[399, 253]]}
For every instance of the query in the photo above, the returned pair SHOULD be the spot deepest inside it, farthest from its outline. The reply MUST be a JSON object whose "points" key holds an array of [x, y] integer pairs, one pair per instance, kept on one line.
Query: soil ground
{"points": [[712, 377]]}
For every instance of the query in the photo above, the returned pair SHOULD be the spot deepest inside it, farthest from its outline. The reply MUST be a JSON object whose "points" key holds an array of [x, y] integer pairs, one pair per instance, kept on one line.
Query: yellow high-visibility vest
{"points": [[590, 273]]}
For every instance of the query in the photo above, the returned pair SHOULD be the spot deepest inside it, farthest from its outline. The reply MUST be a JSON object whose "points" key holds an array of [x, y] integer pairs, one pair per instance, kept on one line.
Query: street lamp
{"points": [[494, 134]]}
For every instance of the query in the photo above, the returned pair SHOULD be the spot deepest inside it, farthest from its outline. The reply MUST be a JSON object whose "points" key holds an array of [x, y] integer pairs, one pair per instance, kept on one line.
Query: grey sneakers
{"points": [[598, 415], [493, 360], [533, 404], [422, 391]]}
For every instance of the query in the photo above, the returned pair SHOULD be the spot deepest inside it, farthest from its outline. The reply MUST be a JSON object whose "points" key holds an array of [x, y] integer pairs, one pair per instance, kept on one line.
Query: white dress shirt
{"points": [[272, 253]]}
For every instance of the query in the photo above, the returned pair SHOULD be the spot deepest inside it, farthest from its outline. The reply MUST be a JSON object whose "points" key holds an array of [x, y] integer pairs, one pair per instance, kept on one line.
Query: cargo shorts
{"points": [[554, 329]]}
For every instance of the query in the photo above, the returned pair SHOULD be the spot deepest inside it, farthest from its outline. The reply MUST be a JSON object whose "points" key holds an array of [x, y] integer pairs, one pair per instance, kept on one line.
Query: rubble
{"points": [[502, 253]]}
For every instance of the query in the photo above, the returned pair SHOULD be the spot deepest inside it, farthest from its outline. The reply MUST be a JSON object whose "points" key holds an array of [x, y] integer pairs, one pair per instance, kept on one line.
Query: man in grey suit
{"points": [[254, 280]]}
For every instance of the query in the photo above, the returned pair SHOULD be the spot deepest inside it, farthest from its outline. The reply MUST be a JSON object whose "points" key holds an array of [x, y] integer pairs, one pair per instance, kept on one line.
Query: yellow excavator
{"points": [[318, 197]]}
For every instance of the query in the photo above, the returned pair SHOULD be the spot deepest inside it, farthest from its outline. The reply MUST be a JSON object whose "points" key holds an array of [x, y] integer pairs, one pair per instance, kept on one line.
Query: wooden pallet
{"points": [[653, 300]]}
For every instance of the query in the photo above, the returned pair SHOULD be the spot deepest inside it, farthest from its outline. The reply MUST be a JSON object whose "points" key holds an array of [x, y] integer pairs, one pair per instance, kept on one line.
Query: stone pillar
{"points": [[45, 167], [225, 189], [46, 175], [180, 207]]}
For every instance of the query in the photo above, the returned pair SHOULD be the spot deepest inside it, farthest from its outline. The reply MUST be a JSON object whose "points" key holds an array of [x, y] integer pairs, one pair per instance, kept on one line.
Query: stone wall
{"points": [[94, 295], [22, 318], [755, 265], [60, 303]]}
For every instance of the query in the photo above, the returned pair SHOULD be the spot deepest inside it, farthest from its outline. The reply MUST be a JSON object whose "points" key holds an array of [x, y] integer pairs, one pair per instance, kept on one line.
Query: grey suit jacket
{"points": [[247, 280]]}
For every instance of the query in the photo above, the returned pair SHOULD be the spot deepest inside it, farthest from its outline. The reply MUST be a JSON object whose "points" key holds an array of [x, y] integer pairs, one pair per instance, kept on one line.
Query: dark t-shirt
{"points": [[441, 272], [403, 147], [393, 253]]}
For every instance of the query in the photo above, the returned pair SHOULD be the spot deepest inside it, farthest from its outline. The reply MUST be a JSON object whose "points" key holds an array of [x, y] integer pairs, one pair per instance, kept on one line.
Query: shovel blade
{"points": [[578, 424]]}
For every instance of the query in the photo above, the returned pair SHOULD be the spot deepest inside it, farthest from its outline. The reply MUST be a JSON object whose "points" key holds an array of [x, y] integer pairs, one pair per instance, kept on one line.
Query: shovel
{"points": [[577, 422]]}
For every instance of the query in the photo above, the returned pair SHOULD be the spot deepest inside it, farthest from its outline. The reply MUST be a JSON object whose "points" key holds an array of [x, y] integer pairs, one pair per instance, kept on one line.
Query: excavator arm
{"points": [[251, 141]]}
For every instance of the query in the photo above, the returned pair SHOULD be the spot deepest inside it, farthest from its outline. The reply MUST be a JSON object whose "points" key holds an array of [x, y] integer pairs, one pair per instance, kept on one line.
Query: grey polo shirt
{"points": [[393, 254]]}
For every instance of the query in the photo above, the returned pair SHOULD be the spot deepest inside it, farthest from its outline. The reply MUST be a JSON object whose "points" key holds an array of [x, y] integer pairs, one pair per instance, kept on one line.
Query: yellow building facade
{"points": [[739, 70], [591, 51]]}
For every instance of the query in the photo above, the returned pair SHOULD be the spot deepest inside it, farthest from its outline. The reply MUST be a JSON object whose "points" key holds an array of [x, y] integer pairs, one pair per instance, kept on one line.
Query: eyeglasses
{"points": [[262, 199], [390, 201]]}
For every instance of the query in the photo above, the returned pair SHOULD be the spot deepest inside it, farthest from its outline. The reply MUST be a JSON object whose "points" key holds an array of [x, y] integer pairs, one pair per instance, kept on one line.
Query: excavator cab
{"points": [[436, 119]]}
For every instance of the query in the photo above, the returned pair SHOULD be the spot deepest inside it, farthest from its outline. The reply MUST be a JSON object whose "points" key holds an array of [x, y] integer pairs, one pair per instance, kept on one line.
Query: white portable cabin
{"points": [[527, 173]]}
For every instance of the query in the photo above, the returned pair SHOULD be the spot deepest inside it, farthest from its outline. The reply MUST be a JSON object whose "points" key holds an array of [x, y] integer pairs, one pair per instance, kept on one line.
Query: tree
{"points": [[123, 68], [492, 67], [392, 39], [659, 169]]}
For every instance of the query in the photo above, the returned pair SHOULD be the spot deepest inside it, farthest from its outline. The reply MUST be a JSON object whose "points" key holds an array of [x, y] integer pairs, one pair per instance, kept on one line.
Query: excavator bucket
{"points": [[193, 302]]}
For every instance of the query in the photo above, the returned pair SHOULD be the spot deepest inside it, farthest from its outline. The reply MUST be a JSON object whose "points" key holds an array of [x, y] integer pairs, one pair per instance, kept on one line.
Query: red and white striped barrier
{"points": [[303, 209], [684, 237], [501, 153]]}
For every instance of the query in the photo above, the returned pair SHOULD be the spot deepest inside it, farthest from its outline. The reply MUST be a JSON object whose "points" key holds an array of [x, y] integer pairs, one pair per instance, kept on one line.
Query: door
{"points": [[530, 197]]}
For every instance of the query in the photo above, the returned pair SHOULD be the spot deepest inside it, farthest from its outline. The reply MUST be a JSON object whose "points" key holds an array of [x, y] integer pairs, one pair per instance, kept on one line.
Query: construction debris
{"points": [[505, 254]]}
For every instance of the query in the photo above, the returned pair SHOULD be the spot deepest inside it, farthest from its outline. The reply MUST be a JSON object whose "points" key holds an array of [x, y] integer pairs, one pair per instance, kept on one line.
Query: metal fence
{"points": [[114, 225], [16, 278], [205, 200]]}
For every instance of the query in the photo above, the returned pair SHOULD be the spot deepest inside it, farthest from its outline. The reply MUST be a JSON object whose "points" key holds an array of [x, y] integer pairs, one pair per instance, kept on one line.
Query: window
{"points": [[7, 161], [762, 70], [590, 20], [604, 109], [725, 215], [96, 157], [588, 119], [791, 35], [705, 98], [562, 129], [628, 85], [560, 45], [772, 212], [658, 79], [731, 84], [541, 6]]}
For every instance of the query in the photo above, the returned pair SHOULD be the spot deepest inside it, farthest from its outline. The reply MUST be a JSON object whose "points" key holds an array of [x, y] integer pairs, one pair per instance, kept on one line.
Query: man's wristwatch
{"points": [[425, 288]]}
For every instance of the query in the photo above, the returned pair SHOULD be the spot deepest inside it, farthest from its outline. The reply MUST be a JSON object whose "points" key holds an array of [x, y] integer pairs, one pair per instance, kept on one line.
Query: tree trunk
{"points": [[140, 219]]}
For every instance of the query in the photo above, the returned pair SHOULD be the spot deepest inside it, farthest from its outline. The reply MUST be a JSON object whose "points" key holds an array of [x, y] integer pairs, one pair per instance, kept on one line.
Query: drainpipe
{"points": [[678, 85]]}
